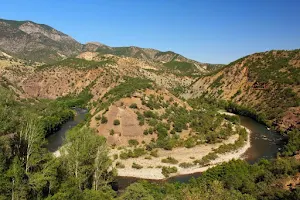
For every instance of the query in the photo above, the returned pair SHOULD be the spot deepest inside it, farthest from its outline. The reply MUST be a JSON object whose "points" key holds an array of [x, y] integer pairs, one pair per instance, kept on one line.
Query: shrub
{"points": [[234, 119], [154, 153], [115, 156], [150, 114], [148, 157], [124, 155], [136, 166], [186, 165], [170, 160], [111, 132], [133, 142], [138, 152], [133, 106], [116, 122], [145, 132], [166, 171], [98, 117], [206, 159], [132, 154], [120, 165], [104, 120], [190, 142]]}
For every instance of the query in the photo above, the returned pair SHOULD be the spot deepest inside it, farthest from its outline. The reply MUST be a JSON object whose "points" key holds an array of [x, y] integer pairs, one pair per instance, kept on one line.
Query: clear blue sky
{"points": [[215, 31]]}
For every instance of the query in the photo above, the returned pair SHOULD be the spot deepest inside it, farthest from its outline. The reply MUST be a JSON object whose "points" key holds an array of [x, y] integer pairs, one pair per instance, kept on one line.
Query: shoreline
{"points": [[155, 173]]}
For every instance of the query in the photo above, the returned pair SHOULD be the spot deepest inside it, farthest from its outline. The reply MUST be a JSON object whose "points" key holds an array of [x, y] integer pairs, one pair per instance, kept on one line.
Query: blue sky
{"points": [[215, 31]]}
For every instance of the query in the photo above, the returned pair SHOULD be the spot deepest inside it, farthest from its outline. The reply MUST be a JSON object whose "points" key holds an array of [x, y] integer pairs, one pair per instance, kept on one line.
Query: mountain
{"points": [[37, 42], [169, 59], [42, 43], [137, 123], [267, 82]]}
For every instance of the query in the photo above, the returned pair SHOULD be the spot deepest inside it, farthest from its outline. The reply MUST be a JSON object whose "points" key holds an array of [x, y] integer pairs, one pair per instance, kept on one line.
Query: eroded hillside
{"points": [[266, 82]]}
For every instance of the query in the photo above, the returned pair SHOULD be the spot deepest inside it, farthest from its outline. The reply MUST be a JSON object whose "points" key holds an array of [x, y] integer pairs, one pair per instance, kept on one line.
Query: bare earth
{"points": [[150, 170]]}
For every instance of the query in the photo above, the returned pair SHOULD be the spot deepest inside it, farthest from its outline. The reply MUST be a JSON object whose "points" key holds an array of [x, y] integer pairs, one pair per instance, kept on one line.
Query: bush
{"points": [[186, 165], [141, 118], [170, 160], [206, 159], [154, 153], [116, 156], [112, 132], [104, 120], [120, 165], [97, 118], [190, 142], [133, 142], [234, 119], [116, 122], [124, 155], [133, 106], [166, 171], [132, 154], [148, 157], [150, 114], [136, 166]]}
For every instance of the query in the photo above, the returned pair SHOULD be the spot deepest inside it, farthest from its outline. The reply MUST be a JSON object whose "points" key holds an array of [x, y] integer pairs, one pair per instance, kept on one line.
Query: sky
{"points": [[213, 31]]}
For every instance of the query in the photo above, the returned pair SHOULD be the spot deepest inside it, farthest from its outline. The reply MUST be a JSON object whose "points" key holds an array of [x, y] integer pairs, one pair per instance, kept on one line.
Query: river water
{"points": [[264, 144], [56, 140]]}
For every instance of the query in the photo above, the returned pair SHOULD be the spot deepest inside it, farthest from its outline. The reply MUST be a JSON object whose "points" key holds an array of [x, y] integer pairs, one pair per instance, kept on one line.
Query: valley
{"points": [[109, 112]]}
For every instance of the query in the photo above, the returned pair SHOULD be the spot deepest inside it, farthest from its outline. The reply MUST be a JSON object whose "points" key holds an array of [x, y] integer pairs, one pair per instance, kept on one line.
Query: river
{"points": [[264, 144], [56, 140]]}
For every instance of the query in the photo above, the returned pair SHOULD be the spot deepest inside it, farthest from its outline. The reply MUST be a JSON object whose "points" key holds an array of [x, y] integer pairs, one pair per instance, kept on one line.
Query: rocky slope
{"points": [[37, 42], [267, 82]]}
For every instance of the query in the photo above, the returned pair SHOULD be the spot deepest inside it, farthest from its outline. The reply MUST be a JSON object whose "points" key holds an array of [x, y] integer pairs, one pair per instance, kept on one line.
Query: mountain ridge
{"points": [[42, 43]]}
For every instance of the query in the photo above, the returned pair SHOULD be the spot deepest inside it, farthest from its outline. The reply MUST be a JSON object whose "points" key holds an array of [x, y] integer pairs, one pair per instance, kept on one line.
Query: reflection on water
{"points": [[56, 140]]}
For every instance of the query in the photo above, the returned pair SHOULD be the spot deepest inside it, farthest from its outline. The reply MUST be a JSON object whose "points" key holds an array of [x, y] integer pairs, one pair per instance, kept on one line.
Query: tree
{"points": [[102, 163], [32, 136], [16, 174], [116, 122], [85, 157], [136, 191]]}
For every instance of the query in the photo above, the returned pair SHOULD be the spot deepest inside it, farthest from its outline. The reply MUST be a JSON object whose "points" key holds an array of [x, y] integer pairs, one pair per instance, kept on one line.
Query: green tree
{"points": [[32, 137], [136, 191], [85, 157]]}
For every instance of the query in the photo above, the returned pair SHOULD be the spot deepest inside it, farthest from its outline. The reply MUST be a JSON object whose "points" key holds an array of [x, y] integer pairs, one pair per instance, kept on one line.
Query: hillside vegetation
{"points": [[266, 82], [138, 123]]}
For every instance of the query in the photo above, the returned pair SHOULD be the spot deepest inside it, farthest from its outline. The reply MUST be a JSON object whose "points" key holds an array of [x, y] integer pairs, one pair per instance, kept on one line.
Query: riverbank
{"points": [[152, 168]]}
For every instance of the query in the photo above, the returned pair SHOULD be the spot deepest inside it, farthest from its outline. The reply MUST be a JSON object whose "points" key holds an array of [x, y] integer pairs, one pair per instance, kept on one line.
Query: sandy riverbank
{"points": [[182, 154]]}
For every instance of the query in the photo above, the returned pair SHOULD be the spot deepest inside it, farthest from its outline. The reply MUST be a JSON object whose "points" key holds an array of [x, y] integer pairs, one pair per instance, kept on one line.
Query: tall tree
{"points": [[85, 155], [32, 136]]}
